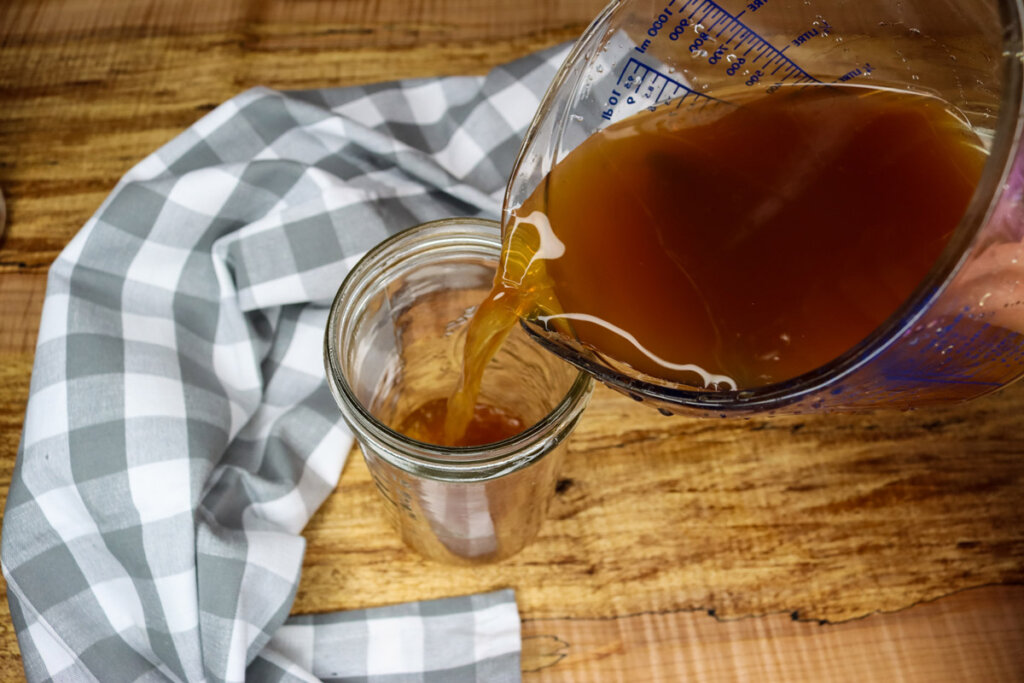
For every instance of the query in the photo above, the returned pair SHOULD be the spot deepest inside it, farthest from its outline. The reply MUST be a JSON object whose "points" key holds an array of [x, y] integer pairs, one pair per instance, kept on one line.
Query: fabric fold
{"points": [[179, 433]]}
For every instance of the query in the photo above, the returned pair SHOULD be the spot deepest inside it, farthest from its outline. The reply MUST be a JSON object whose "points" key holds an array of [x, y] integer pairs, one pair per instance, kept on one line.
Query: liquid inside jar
{"points": [[488, 424]]}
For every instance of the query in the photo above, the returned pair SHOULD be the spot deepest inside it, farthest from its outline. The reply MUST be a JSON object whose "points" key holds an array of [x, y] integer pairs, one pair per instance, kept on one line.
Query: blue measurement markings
{"points": [[755, 60], [655, 87], [710, 16]]}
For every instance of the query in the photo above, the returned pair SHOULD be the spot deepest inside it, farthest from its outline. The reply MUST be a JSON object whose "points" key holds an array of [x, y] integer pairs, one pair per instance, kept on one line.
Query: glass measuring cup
{"points": [[960, 334]]}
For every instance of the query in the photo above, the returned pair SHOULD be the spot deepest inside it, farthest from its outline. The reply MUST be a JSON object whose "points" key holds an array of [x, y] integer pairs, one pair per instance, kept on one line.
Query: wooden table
{"points": [[876, 547]]}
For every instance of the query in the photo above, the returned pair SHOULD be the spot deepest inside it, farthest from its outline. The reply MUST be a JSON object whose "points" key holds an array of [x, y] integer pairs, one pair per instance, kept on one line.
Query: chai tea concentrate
{"points": [[734, 248]]}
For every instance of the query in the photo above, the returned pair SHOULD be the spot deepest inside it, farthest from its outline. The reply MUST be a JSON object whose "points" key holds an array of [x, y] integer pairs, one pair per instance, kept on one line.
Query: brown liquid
{"points": [[754, 243], [487, 425]]}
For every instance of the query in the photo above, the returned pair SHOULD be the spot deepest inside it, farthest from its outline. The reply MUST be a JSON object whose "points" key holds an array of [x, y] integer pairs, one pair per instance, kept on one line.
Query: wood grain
{"points": [[926, 644], [88, 92], [828, 517], [657, 520]]}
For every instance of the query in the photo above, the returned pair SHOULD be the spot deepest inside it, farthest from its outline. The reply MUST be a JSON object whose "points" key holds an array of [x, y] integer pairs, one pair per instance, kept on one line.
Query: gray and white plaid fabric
{"points": [[179, 432]]}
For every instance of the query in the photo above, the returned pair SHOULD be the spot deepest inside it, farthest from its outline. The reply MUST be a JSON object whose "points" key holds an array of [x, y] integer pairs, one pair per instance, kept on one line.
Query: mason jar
{"points": [[394, 343]]}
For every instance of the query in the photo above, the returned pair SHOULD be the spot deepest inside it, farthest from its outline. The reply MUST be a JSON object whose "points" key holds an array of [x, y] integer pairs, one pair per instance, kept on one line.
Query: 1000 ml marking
{"points": [[759, 63]]}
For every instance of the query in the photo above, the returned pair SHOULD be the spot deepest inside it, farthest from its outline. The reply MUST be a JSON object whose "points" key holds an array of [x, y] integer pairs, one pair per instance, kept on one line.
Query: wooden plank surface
{"points": [[971, 636], [832, 517], [904, 529]]}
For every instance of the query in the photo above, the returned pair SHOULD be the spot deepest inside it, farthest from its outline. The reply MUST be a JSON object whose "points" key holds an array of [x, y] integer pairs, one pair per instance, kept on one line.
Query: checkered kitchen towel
{"points": [[179, 431]]}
